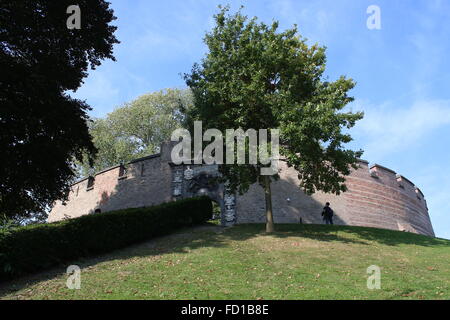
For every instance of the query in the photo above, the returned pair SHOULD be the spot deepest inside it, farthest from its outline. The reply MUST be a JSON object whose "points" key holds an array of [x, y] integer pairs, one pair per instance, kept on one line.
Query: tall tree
{"points": [[137, 128], [254, 76], [42, 127]]}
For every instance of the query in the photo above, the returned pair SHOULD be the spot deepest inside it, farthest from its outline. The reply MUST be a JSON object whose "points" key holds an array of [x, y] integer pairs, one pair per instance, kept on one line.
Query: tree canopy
{"points": [[137, 128], [42, 127], [254, 76]]}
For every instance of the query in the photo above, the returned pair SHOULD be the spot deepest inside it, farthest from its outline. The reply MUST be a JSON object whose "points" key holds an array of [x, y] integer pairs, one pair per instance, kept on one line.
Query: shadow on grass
{"points": [[211, 235], [358, 235]]}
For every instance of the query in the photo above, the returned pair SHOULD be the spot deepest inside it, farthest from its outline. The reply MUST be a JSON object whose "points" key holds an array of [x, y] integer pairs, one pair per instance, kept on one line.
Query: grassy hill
{"points": [[242, 262]]}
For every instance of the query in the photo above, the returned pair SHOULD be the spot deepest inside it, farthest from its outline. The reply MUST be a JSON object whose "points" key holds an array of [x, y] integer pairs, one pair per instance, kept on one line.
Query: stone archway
{"points": [[202, 180]]}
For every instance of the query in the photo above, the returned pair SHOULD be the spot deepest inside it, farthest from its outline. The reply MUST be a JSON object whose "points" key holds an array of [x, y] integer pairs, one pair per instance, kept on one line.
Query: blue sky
{"points": [[402, 71]]}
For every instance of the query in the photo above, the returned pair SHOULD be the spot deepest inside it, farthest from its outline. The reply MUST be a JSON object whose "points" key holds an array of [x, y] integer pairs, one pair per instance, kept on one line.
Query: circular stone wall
{"points": [[376, 197]]}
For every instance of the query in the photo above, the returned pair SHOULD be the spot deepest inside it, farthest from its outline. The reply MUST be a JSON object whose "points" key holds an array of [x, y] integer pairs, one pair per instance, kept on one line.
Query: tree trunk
{"points": [[268, 196]]}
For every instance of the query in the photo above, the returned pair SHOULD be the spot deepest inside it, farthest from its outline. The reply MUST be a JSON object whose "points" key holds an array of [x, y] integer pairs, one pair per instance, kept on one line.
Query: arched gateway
{"points": [[376, 196]]}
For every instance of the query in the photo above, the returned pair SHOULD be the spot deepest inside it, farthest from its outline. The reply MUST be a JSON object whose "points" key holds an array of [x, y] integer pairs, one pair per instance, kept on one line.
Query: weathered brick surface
{"points": [[140, 188], [376, 196]]}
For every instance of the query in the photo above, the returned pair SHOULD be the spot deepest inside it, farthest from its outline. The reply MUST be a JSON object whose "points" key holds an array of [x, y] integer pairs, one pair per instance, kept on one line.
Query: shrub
{"points": [[36, 247]]}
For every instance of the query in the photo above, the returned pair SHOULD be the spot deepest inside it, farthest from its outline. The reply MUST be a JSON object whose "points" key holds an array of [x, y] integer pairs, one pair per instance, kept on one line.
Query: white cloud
{"points": [[109, 86], [98, 89], [387, 128], [312, 20], [389, 134]]}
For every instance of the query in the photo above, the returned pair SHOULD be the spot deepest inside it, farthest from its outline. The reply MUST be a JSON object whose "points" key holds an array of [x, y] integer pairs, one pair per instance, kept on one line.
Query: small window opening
{"points": [[122, 171], [90, 183]]}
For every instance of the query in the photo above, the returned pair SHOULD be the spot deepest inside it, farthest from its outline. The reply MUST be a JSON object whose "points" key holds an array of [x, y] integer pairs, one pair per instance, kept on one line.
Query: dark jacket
{"points": [[327, 212]]}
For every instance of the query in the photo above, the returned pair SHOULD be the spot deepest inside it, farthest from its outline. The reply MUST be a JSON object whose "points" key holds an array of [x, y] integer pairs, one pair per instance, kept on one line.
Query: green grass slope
{"points": [[243, 262]]}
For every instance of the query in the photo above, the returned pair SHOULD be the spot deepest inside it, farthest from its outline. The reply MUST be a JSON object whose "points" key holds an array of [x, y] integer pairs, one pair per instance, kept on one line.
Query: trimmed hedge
{"points": [[36, 247]]}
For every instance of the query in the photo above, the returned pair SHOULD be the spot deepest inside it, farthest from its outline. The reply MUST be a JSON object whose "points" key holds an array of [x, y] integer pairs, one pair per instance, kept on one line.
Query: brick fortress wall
{"points": [[376, 196], [145, 182]]}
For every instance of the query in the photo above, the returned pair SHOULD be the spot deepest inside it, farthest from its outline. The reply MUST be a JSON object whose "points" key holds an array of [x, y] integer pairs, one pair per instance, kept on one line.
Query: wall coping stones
{"points": [[145, 158], [419, 191], [107, 169], [362, 161], [400, 177], [117, 166], [382, 168]]}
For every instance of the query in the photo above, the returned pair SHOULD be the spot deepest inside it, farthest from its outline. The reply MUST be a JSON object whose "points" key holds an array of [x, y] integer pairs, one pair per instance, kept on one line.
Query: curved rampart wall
{"points": [[376, 197]]}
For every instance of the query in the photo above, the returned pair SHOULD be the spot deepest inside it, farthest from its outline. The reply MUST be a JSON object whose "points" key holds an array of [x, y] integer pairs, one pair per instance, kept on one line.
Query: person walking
{"points": [[327, 214]]}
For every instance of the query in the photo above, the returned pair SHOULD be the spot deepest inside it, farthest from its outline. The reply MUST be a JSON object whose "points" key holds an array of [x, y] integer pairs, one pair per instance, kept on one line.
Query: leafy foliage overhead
{"points": [[137, 128], [42, 127], [255, 76]]}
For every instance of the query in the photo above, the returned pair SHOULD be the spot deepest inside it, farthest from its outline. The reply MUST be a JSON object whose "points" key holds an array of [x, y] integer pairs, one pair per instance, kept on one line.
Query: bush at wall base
{"points": [[36, 247]]}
